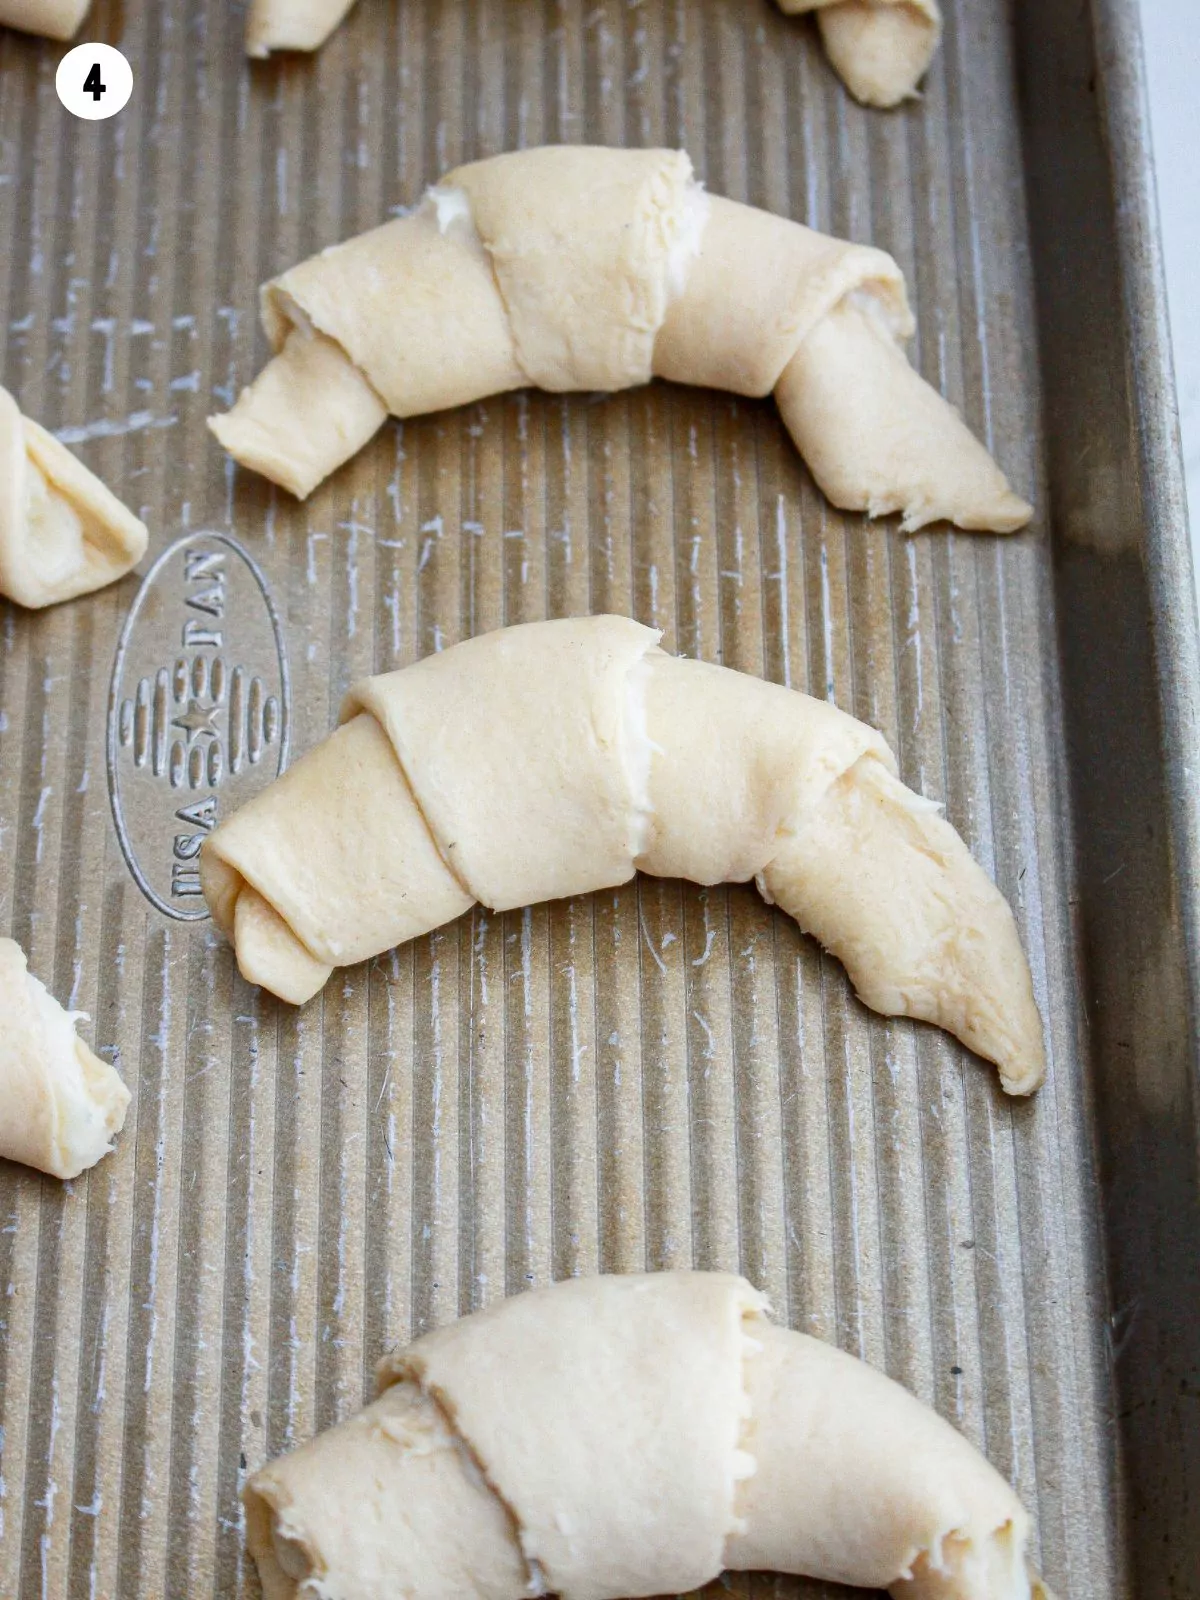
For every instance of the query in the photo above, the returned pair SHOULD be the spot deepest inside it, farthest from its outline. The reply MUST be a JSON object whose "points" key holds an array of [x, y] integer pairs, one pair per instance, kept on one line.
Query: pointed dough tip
{"points": [[308, 411], [1005, 513], [885, 883], [269, 953]]}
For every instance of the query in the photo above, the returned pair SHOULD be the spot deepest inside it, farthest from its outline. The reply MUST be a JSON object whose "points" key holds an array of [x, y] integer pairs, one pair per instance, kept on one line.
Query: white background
{"points": [[1171, 30]]}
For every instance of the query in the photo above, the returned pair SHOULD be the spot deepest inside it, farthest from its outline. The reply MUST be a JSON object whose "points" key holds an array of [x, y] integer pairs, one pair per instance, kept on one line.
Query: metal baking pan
{"points": [[662, 1075]]}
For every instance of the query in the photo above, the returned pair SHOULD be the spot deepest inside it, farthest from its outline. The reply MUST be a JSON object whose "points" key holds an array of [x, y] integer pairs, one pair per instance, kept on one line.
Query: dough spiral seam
{"points": [[634, 1435], [582, 268], [509, 770]]}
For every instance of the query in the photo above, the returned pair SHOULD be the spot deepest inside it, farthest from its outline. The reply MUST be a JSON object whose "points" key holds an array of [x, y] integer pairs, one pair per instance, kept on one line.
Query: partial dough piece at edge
{"points": [[60, 1104], [52, 19], [822, 1466], [63, 532], [881, 51]]}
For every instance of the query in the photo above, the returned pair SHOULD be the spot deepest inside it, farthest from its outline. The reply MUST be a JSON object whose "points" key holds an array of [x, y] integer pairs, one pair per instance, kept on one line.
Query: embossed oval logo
{"points": [[198, 711]]}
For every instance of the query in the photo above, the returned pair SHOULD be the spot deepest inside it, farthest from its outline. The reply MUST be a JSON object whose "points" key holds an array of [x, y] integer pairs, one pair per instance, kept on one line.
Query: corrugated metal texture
{"points": [[1125, 592], [662, 1075]]}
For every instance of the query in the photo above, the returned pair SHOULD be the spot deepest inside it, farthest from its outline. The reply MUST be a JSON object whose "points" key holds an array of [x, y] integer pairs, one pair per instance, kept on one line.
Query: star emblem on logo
{"points": [[197, 720]]}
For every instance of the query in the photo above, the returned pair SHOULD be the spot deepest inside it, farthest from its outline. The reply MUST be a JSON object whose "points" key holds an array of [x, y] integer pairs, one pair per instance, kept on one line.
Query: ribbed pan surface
{"points": [[658, 1076]]}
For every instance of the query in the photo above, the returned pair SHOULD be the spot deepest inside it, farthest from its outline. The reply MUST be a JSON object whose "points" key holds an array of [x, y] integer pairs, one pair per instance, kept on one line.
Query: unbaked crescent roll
{"points": [[557, 758], [879, 48], [62, 532], [60, 1105], [56, 19], [578, 268], [627, 1436]]}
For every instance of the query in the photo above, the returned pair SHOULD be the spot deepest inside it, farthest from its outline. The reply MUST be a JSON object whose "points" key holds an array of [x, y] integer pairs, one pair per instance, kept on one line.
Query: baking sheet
{"points": [[658, 1076]]}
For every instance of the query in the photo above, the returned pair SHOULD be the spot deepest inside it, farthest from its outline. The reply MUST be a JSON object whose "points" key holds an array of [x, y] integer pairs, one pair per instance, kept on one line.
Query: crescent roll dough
{"points": [[879, 48], [557, 758], [596, 269], [624, 1436], [62, 532], [56, 19], [60, 1105]]}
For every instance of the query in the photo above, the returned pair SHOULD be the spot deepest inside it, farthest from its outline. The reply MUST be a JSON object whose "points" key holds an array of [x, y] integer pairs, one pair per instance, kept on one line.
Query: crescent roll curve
{"points": [[450, 782], [62, 532], [879, 48], [588, 268], [60, 1105], [633, 1435]]}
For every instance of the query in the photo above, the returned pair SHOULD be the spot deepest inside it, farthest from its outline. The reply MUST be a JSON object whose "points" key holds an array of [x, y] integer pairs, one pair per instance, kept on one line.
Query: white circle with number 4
{"points": [[94, 81]]}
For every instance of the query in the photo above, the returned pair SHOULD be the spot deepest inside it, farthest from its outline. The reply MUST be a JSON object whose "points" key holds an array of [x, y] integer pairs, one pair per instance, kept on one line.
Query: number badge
{"points": [[94, 81]]}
